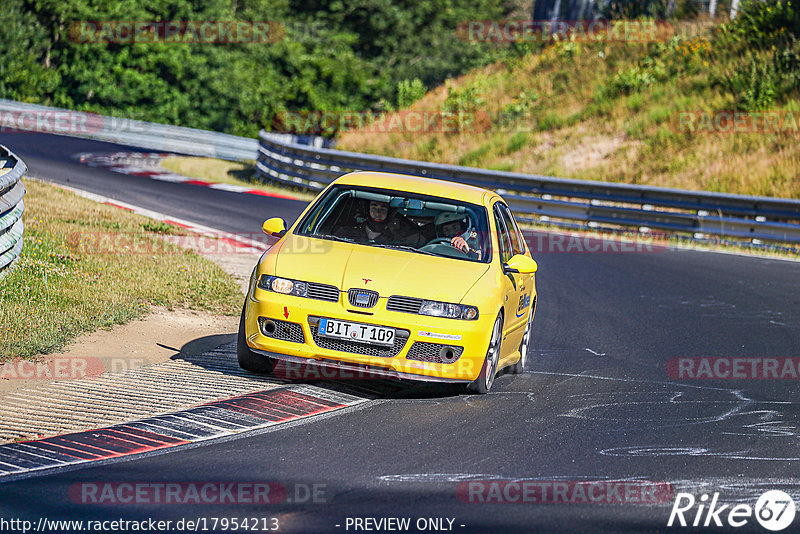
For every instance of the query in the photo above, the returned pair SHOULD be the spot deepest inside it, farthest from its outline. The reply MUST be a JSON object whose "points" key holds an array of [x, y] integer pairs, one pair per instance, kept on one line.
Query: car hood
{"points": [[389, 272]]}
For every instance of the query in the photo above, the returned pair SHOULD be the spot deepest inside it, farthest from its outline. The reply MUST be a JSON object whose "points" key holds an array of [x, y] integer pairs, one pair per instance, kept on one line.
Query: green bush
{"points": [[787, 63], [465, 99], [409, 91], [764, 23], [634, 79], [759, 87]]}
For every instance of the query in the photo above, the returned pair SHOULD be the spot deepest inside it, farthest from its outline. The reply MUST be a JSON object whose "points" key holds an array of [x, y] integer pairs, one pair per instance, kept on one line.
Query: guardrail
{"points": [[307, 162], [11, 207], [560, 201], [24, 117]]}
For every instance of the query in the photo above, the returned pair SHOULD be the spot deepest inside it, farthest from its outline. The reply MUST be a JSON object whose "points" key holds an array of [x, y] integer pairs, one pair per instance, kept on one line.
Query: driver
{"points": [[453, 226]]}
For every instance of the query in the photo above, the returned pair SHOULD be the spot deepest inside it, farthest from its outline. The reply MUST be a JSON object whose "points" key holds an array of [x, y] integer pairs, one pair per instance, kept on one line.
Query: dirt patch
{"points": [[590, 152], [154, 339]]}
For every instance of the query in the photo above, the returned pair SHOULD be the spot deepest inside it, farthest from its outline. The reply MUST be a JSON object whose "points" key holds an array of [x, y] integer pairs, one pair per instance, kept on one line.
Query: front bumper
{"points": [[419, 353]]}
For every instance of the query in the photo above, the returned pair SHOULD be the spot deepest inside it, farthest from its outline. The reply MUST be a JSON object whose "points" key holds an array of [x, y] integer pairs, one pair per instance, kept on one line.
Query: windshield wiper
{"points": [[333, 237], [405, 247]]}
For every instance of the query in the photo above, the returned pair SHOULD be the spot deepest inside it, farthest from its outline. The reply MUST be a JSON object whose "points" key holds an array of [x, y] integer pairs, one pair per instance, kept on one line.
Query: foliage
{"points": [[764, 23], [333, 56], [409, 91], [465, 99]]}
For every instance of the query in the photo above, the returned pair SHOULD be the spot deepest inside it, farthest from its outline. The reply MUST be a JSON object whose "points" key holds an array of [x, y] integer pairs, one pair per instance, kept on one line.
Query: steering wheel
{"points": [[440, 241]]}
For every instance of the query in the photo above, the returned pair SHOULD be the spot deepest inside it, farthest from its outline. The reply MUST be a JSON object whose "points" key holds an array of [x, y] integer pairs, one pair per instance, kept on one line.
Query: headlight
{"points": [[445, 309], [282, 285]]}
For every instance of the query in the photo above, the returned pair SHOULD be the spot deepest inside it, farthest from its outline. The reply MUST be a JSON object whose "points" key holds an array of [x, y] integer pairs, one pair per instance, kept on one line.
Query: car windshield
{"points": [[398, 220]]}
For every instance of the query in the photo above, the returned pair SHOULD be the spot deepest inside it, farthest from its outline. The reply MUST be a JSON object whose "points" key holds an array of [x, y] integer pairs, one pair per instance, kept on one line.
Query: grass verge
{"points": [[227, 172], [85, 266]]}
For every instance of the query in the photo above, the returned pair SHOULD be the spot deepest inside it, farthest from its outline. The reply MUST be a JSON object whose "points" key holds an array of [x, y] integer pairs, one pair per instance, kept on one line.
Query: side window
{"points": [[517, 241], [503, 235]]}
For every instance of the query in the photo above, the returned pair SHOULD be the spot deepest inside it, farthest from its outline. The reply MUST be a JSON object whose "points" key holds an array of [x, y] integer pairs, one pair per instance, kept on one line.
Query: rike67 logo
{"points": [[774, 510]]}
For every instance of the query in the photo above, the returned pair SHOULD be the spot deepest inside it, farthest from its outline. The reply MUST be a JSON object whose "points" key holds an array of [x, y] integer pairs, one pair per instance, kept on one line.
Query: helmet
{"points": [[448, 217]]}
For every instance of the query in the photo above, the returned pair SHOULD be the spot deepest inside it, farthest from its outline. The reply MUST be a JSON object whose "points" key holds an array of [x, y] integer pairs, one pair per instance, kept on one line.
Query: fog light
{"points": [[447, 354], [267, 327]]}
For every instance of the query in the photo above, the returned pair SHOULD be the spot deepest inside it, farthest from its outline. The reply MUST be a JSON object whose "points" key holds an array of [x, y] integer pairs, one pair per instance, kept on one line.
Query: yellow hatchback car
{"points": [[394, 276]]}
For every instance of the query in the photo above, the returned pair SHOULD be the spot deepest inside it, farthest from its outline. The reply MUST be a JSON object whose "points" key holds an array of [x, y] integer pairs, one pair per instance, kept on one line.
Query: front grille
{"points": [[322, 292], [283, 330], [404, 304], [355, 347], [372, 298], [432, 352]]}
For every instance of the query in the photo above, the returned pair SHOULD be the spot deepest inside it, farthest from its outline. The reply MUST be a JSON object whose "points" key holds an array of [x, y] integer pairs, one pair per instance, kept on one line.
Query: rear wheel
{"points": [[519, 367], [485, 379], [249, 360]]}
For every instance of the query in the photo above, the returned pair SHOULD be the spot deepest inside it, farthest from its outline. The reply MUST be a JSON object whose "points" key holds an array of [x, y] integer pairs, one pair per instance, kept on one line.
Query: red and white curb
{"points": [[213, 420], [147, 165], [241, 243]]}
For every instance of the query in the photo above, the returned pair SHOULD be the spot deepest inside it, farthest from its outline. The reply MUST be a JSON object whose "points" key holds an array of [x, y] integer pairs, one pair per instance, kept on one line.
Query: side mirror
{"points": [[275, 227], [520, 264]]}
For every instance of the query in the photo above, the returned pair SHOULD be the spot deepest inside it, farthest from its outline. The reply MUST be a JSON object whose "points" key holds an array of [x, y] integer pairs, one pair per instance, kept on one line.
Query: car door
{"points": [[526, 280], [511, 287]]}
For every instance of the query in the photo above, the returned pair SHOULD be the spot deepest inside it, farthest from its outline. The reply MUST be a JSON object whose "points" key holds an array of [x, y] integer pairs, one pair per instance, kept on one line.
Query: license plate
{"points": [[363, 333]]}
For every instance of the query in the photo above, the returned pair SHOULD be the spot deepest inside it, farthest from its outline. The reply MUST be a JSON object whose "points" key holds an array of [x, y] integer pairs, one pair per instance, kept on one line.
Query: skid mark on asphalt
{"points": [[216, 419], [652, 407]]}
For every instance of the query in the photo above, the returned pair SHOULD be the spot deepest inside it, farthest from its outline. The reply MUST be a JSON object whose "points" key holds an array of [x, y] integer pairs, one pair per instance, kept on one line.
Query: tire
{"points": [[519, 367], [249, 360], [485, 379]]}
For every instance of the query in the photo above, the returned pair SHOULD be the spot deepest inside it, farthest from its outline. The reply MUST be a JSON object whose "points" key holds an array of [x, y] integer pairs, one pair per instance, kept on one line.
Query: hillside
{"points": [[712, 107]]}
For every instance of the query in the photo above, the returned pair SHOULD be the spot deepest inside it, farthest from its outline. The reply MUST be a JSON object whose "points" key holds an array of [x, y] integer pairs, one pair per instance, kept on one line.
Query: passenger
{"points": [[383, 225], [378, 224]]}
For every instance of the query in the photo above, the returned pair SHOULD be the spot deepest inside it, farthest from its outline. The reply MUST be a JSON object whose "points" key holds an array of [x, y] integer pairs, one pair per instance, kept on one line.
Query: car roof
{"points": [[416, 184]]}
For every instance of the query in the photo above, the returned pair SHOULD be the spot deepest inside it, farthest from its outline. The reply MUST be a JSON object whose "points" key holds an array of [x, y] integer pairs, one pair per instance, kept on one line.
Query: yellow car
{"points": [[395, 276]]}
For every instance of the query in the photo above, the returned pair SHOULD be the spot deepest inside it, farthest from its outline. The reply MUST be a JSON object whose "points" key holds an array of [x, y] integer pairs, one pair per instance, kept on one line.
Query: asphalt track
{"points": [[596, 401]]}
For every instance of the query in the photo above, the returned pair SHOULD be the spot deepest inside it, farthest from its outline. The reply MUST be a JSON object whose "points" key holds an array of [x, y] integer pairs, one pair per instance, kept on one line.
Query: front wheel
{"points": [[485, 379], [249, 360]]}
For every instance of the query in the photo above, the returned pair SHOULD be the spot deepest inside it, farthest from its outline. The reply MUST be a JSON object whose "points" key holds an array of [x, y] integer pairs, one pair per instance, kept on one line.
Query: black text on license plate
{"points": [[364, 333]]}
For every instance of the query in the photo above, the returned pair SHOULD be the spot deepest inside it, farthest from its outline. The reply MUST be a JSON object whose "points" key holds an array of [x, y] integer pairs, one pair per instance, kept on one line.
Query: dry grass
{"points": [[85, 265], [563, 126]]}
